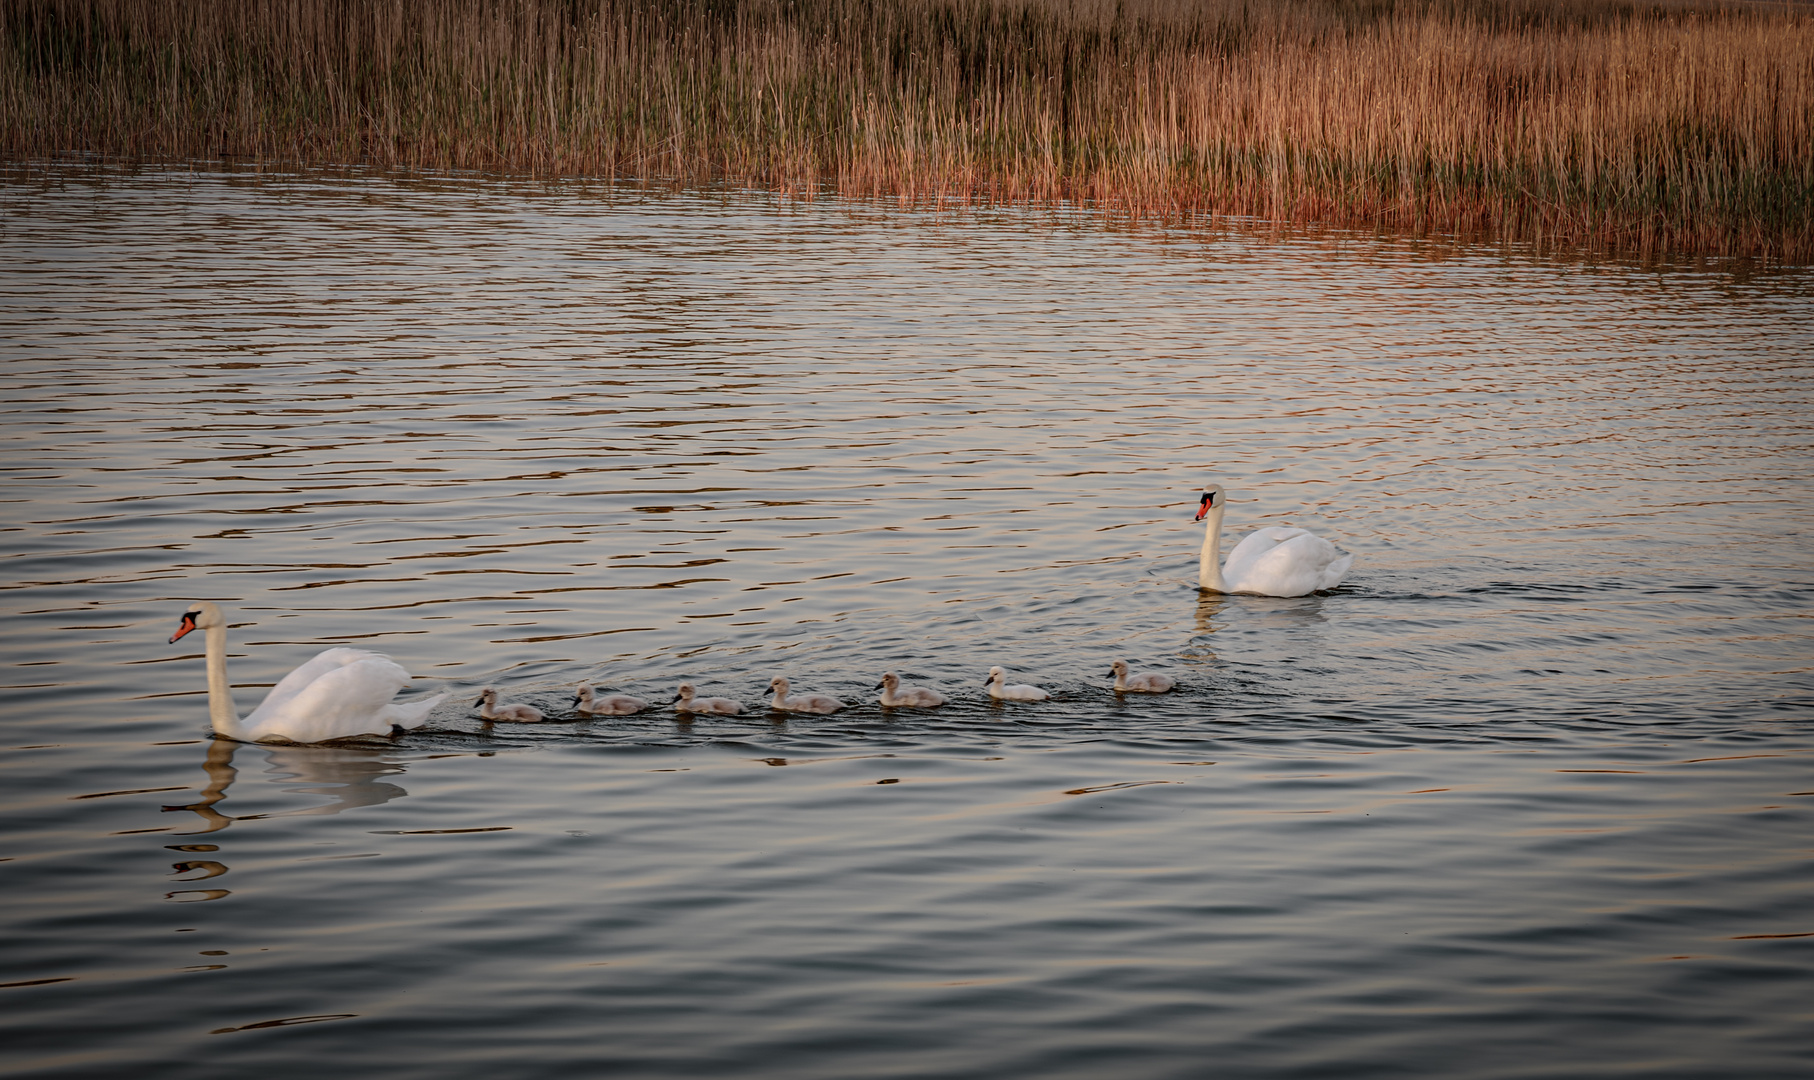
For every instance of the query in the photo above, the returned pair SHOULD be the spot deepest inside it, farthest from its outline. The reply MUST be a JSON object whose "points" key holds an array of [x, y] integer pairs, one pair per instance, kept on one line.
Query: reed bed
{"points": [[1571, 122]]}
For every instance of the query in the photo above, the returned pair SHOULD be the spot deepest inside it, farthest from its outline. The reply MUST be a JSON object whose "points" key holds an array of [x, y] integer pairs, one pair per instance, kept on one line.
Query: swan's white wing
{"points": [[412, 715], [348, 699], [1335, 572], [294, 683], [1296, 564], [1256, 545]]}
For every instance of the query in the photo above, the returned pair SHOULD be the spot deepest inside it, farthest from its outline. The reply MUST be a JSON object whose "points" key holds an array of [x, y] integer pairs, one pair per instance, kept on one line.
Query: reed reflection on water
{"points": [[1527, 795]]}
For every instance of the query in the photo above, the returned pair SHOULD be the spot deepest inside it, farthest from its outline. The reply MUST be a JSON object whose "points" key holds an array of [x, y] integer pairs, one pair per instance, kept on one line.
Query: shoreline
{"points": [[1194, 227]]}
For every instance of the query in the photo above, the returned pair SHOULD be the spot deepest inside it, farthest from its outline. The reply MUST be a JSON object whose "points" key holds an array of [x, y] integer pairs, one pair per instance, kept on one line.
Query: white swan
{"points": [[894, 695], [1273, 561], [1012, 692], [338, 694], [1144, 682], [814, 703], [586, 701], [685, 702], [489, 709]]}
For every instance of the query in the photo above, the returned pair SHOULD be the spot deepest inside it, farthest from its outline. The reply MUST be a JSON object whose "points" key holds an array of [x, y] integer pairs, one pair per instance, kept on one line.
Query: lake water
{"points": [[1530, 795]]}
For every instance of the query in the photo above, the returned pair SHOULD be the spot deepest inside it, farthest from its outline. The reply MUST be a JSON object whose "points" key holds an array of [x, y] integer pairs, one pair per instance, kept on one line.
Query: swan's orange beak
{"points": [[1209, 500], [188, 625]]}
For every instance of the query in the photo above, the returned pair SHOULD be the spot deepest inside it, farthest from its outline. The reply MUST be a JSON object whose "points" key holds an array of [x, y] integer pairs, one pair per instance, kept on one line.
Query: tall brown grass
{"points": [[1631, 130]]}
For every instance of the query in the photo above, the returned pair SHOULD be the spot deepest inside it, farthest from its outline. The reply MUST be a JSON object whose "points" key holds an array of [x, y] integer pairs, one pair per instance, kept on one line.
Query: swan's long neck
{"points": [[1209, 563], [220, 691]]}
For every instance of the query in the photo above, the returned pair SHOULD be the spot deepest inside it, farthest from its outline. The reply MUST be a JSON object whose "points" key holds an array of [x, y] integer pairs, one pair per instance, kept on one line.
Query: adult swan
{"points": [[339, 694], [1274, 561]]}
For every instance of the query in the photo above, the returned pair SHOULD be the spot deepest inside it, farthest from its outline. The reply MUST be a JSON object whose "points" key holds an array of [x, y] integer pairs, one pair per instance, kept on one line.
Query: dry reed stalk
{"points": [[1621, 129]]}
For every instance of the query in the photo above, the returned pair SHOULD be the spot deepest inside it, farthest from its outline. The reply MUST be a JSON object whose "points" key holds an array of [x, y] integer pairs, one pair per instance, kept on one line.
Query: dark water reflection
{"points": [[1529, 795], [349, 777]]}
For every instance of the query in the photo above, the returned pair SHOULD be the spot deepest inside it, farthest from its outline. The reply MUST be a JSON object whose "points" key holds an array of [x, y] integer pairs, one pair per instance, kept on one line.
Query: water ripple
{"points": [[1525, 796]]}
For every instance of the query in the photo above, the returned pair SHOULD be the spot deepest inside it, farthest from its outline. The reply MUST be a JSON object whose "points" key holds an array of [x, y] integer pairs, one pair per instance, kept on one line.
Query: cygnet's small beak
{"points": [[575, 700], [879, 685], [479, 702]]}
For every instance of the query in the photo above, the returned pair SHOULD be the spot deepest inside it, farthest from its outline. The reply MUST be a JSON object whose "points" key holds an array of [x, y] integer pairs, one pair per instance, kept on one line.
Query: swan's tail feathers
{"points": [[1336, 571], [412, 715]]}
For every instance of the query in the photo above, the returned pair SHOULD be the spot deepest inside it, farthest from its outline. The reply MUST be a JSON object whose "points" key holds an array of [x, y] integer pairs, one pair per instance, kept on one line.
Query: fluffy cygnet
{"points": [[687, 703], [815, 703], [591, 703], [516, 714], [1012, 692], [1144, 682], [895, 695]]}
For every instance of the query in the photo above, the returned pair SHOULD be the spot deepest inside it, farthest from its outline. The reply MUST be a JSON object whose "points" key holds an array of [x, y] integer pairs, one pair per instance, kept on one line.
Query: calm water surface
{"points": [[1531, 795]]}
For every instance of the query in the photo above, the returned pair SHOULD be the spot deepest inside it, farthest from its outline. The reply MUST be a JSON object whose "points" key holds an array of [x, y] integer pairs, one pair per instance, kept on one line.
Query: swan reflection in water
{"points": [[1201, 650], [1208, 604], [349, 777], [1262, 612]]}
